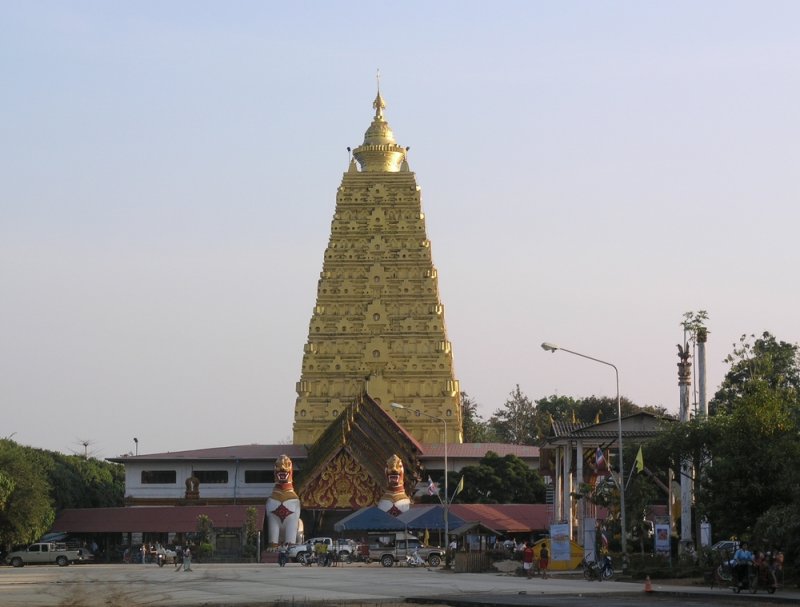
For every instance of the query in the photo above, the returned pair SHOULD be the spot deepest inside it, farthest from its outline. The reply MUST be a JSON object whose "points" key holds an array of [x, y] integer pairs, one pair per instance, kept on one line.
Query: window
{"points": [[212, 477], [259, 476], [158, 477]]}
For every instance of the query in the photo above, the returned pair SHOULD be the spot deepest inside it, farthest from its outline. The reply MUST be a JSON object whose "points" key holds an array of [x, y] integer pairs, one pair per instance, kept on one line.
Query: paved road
{"points": [[250, 585]]}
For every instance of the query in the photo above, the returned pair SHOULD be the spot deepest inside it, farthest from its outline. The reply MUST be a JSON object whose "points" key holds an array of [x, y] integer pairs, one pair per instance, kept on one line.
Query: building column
{"points": [[568, 487], [578, 483], [557, 502], [684, 384]]}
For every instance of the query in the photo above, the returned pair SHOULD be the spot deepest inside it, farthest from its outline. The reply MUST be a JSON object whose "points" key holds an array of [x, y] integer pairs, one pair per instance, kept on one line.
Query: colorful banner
{"points": [[662, 539], [559, 540]]}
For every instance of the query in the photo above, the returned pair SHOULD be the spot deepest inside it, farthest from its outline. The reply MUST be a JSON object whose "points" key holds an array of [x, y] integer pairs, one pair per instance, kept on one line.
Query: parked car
{"points": [[44, 553], [726, 546], [389, 548], [343, 547]]}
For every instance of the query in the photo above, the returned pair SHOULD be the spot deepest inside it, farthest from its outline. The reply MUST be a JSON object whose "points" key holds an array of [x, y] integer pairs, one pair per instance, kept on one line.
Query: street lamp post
{"points": [[552, 348], [446, 495]]}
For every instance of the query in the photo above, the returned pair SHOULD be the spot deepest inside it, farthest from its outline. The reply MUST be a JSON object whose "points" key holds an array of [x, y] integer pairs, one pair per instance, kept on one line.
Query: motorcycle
{"points": [[604, 570], [723, 574], [758, 575], [414, 560], [308, 559]]}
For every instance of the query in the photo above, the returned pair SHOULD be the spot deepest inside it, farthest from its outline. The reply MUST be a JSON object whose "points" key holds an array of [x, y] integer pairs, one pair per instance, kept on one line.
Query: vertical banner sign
{"points": [[662, 539], [589, 539], [559, 541]]}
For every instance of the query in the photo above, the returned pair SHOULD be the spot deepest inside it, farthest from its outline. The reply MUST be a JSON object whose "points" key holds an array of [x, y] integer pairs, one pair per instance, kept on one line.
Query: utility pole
{"points": [[702, 337], [684, 384]]}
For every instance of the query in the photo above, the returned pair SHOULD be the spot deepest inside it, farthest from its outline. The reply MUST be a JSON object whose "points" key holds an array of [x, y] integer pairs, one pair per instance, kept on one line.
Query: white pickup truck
{"points": [[343, 547], [44, 553]]}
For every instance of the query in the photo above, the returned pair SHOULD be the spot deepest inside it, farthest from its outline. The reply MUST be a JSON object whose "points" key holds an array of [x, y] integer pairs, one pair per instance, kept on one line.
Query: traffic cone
{"points": [[648, 586]]}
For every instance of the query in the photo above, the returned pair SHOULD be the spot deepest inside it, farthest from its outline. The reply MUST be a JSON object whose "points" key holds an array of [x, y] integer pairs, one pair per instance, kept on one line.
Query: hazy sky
{"points": [[590, 171]]}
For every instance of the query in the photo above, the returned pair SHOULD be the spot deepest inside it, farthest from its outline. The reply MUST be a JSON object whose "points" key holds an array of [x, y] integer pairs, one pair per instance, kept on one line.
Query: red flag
{"points": [[600, 460]]}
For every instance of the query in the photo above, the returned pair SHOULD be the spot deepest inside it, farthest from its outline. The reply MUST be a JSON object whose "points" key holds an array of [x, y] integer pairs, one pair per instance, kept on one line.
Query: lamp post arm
{"points": [[597, 360]]}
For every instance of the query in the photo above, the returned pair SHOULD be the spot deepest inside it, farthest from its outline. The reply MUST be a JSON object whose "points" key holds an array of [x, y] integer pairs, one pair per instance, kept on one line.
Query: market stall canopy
{"points": [[370, 518], [430, 517], [474, 528]]}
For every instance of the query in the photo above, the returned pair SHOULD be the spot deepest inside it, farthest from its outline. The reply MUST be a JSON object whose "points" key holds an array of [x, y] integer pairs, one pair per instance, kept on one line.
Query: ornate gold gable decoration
{"points": [[343, 484]]}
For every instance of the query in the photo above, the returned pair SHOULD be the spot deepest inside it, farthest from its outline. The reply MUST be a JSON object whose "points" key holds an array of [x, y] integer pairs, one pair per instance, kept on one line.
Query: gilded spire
{"points": [[379, 104], [380, 151]]}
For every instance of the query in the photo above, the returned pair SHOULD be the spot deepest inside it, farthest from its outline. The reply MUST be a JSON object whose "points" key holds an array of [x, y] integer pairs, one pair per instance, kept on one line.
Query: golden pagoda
{"points": [[378, 324]]}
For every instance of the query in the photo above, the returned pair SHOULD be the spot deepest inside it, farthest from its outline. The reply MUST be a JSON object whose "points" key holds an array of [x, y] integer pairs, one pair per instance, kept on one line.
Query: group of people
{"points": [[744, 558], [528, 560], [321, 551]]}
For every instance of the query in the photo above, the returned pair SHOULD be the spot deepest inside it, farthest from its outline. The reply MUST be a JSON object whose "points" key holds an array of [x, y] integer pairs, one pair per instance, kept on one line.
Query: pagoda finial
{"points": [[379, 104], [380, 151]]}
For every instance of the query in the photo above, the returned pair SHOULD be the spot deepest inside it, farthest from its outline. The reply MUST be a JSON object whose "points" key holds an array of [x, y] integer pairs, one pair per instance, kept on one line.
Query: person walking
{"points": [[282, 554], [544, 560], [187, 559], [527, 560], [178, 557], [450, 554]]}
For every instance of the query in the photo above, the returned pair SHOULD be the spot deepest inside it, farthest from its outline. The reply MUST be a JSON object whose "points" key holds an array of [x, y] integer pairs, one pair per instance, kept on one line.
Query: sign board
{"points": [[662, 539], [559, 541]]}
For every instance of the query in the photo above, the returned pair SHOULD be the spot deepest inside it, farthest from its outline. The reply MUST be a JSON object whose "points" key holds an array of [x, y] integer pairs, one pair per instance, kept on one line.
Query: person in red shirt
{"points": [[527, 560]]}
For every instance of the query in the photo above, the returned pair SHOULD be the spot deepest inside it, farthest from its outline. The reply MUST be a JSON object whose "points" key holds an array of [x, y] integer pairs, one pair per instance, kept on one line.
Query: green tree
{"points": [[27, 512], [205, 527], [515, 422], [251, 532], [550, 409], [475, 429], [604, 408], [756, 361], [6, 488], [586, 410], [640, 493], [79, 482], [205, 534], [501, 480], [694, 326], [35, 484], [755, 465]]}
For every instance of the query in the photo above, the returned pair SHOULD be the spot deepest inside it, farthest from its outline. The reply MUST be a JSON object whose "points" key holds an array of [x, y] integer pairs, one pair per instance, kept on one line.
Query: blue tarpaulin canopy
{"points": [[370, 518], [429, 517]]}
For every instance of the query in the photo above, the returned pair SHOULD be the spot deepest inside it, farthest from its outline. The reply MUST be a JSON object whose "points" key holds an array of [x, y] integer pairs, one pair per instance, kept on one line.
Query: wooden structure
{"points": [[474, 554]]}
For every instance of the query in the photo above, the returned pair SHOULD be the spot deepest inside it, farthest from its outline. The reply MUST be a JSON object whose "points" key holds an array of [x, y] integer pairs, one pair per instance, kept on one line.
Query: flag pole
{"points": [[630, 476]]}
